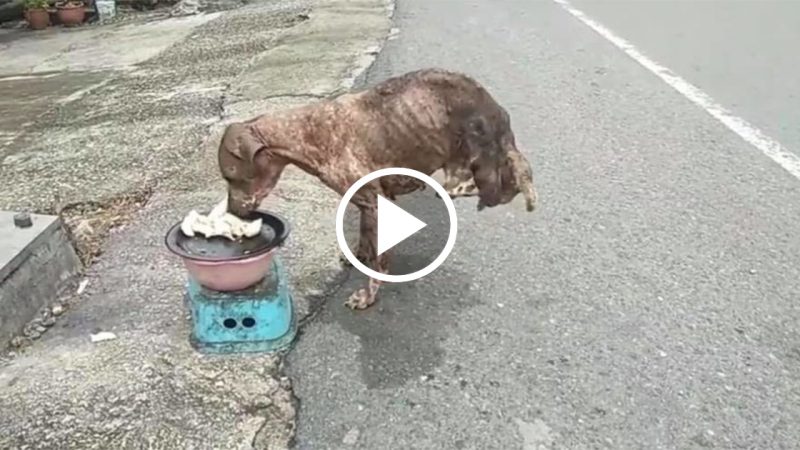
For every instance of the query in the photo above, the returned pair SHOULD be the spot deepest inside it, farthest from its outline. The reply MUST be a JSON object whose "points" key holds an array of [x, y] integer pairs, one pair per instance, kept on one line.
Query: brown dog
{"points": [[424, 120]]}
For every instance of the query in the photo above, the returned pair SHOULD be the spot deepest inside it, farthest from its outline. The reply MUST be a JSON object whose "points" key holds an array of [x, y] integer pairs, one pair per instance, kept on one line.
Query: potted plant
{"points": [[71, 12], [36, 14]]}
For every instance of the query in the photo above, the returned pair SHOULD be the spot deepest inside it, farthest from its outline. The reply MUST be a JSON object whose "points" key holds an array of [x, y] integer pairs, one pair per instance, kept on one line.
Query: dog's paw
{"points": [[464, 189], [360, 299]]}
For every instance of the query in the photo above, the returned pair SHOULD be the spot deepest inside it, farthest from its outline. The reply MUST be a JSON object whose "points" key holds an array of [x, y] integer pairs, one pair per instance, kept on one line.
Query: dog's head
{"points": [[248, 166], [481, 141], [515, 177], [500, 171]]}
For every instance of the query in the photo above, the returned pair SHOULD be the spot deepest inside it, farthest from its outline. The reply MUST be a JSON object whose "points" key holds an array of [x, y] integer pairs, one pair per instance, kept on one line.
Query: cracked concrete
{"points": [[95, 135]]}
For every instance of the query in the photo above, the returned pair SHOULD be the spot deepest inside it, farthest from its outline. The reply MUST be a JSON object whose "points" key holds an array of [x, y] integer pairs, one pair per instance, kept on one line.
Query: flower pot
{"points": [[71, 14], [38, 19]]}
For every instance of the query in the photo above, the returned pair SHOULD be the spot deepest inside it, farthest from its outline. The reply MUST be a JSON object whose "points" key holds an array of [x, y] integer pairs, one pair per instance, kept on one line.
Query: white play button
{"points": [[394, 224]]}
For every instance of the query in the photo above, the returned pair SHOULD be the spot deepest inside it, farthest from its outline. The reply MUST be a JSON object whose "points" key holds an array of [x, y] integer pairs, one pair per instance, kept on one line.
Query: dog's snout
{"points": [[251, 214], [241, 206]]}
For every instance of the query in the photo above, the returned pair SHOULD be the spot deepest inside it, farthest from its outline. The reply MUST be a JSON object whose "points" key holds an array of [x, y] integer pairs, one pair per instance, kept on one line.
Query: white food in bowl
{"points": [[219, 222]]}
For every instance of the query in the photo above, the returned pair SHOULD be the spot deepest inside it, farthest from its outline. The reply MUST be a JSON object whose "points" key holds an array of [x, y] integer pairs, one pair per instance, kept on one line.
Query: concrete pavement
{"points": [[147, 128], [651, 300]]}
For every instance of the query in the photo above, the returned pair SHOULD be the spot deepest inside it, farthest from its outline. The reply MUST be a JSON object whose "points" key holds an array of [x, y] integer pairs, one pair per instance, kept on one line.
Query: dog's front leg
{"points": [[365, 297]]}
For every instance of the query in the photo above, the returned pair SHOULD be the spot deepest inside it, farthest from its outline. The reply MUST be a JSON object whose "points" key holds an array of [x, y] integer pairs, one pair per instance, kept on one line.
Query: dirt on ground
{"points": [[89, 223]]}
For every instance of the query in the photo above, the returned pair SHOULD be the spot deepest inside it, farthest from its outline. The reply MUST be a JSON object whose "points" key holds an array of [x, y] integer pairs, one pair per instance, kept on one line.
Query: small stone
{"points": [[752, 271], [314, 293], [57, 310], [703, 440], [23, 220], [49, 321], [263, 403], [351, 437], [18, 341], [34, 334]]}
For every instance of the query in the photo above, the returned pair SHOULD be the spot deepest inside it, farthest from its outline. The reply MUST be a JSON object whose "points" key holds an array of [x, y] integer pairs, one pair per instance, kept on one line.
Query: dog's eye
{"points": [[229, 173]]}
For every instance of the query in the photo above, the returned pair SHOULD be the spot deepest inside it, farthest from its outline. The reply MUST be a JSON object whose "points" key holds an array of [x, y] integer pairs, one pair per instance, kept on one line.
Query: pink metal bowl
{"points": [[224, 265], [228, 276]]}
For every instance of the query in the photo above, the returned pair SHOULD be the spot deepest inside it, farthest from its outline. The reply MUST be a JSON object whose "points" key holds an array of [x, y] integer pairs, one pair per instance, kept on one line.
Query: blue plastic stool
{"points": [[257, 319]]}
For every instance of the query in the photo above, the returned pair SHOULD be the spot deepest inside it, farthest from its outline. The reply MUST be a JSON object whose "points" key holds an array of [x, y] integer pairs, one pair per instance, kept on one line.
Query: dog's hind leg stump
{"points": [[257, 319]]}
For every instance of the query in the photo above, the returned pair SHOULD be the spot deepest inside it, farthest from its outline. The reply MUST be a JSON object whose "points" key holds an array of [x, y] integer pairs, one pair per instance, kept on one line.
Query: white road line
{"points": [[751, 134]]}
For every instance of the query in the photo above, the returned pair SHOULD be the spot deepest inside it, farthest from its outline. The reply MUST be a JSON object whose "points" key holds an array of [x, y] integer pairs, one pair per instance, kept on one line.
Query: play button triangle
{"points": [[394, 224]]}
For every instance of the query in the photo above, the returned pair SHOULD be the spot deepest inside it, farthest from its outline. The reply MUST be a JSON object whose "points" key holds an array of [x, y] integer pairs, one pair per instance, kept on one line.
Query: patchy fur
{"points": [[424, 120]]}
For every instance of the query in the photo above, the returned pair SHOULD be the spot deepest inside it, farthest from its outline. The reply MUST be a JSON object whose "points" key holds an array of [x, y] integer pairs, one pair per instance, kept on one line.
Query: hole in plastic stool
{"points": [[248, 322], [229, 323]]}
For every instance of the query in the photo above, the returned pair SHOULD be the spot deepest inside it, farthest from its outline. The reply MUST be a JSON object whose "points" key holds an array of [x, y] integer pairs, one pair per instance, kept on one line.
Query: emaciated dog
{"points": [[425, 120]]}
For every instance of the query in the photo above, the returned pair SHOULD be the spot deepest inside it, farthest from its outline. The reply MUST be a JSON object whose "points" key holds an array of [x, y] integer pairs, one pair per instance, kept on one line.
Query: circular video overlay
{"points": [[396, 225]]}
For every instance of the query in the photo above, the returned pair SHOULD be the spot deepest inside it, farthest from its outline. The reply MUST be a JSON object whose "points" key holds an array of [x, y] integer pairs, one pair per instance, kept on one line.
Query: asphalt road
{"points": [[650, 302]]}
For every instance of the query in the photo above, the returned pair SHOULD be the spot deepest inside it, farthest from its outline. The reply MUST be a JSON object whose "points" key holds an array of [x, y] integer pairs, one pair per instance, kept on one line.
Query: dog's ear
{"points": [[523, 178], [499, 184], [240, 141]]}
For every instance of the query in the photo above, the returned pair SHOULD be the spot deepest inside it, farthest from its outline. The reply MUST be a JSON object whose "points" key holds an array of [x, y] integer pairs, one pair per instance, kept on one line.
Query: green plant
{"points": [[36, 4]]}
